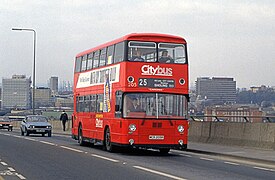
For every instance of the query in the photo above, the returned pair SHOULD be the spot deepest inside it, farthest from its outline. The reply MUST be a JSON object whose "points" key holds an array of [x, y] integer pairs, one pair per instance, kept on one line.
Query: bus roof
{"points": [[139, 37]]}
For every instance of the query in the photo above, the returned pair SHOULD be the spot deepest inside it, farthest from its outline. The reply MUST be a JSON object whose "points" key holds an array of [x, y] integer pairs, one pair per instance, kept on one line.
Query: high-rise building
{"points": [[16, 92], [53, 85], [217, 89], [42, 97]]}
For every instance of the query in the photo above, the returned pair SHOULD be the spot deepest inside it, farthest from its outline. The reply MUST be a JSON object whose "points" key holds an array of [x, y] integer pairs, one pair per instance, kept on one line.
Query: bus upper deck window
{"points": [[171, 53], [142, 51]]}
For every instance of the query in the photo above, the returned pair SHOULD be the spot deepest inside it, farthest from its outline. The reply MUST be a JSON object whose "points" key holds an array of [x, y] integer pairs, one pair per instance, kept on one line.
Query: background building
{"points": [[234, 113], [16, 92], [43, 97], [218, 90], [53, 85]]}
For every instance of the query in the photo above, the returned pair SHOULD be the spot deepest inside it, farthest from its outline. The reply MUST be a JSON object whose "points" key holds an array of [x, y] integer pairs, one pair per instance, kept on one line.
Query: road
{"points": [[60, 157]]}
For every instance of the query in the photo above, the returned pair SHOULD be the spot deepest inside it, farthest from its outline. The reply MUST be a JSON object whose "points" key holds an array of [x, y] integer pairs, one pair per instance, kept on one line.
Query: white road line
{"points": [[261, 168], [20, 176], [186, 155], [17, 136], [49, 143], [207, 159], [105, 158], [11, 169], [159, 173], [30, 139], [68, 136], [4, 164], [75, 150], [231, 163]]}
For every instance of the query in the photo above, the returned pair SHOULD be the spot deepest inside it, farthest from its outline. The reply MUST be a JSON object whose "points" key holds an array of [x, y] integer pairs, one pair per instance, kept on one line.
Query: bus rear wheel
{"points": [[80, 136], [107, 140]]}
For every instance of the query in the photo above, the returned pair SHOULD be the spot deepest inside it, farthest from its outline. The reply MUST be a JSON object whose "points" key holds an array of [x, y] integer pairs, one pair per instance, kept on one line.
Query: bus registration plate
{"points": [[156, 137]]}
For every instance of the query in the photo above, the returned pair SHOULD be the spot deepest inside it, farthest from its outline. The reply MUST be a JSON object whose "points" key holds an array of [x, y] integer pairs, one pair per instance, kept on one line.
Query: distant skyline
{"points": [[225, 38]]}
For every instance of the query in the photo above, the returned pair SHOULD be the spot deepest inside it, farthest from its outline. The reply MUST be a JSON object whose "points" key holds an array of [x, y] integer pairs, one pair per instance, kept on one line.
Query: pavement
{"points": [[262, 155]]}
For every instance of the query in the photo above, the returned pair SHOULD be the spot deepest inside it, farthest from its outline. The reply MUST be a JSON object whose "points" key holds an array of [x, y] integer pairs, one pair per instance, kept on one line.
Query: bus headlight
{"points": [[180, 128], [132, 127]]}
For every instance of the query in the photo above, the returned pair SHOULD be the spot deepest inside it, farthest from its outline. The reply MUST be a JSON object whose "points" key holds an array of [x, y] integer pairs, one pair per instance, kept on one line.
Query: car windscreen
{"points": [[37, 119]]}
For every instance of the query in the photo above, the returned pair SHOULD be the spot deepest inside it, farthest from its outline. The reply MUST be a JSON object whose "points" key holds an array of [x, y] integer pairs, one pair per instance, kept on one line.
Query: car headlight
{"points": [[49, 127], [31, 126], [132, 127], [180, 128]]}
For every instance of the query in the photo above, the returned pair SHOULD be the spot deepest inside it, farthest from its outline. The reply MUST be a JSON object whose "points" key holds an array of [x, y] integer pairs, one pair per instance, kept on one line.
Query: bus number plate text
{"points": [[156, 137]]}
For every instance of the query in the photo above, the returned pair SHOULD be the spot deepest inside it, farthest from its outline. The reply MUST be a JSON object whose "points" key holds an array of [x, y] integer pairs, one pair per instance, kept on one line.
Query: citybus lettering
{"points": [[156, 71]]}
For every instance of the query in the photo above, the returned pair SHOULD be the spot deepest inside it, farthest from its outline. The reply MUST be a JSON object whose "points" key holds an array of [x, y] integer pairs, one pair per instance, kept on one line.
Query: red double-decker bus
{"points": [[132, 92]]}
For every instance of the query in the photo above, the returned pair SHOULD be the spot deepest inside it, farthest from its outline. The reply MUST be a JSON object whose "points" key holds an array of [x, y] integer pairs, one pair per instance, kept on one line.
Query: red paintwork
{"points": [[118, 126]]}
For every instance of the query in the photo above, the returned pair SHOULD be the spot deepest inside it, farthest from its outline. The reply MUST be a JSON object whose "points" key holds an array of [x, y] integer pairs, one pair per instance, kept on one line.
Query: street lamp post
{"points": [[33, 81]]}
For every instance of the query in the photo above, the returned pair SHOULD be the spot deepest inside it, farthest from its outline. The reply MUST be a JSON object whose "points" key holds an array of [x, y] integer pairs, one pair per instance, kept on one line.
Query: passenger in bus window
{"points": [[137, 56], [165, 57]]}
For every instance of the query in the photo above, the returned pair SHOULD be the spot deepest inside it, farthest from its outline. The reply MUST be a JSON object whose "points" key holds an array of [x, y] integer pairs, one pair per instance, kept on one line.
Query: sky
{"points": [[226, 38]]}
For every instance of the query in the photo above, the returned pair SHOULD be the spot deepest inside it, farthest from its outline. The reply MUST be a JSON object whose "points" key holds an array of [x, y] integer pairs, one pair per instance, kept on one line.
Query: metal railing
{"points": [[229, 118]]}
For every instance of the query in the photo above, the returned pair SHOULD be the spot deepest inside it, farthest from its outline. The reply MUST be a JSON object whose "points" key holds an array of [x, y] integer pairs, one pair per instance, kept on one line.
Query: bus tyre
{"points": [[107, 140], [80, 136], [164, 150]]}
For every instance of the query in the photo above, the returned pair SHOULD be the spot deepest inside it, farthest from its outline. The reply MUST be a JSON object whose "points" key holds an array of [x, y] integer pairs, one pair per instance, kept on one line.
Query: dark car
{"points": [[5, 124], [36, 124]]}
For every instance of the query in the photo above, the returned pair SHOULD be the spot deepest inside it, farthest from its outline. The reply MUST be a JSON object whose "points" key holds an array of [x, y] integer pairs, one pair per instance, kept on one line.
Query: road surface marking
{"points": [[17, 136], [273, 170], [11, 169], [31, 139], [231, 163], [20, 176], [4, 164], [60, 135], [76, 150], [159, 173], [105, 158], [207, 159], [186, 155], [49, 143]]}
